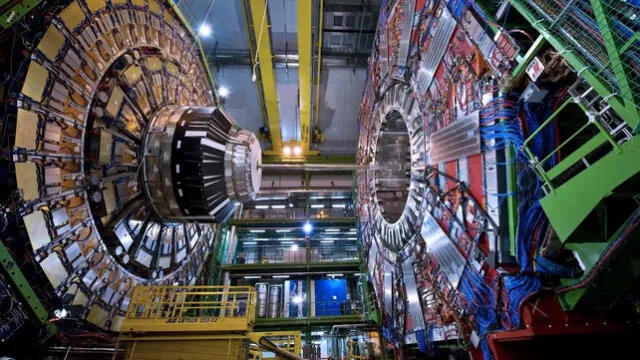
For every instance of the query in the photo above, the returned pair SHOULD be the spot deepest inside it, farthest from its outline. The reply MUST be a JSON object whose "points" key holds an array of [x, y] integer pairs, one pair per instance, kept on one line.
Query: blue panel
{"points": [[331, 297]]}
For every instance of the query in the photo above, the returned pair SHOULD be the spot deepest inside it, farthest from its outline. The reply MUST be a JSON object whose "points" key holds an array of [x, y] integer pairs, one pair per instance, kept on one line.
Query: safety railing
{"points": [[199, 308], [600, 39], [338, 308], [601, 126], [290, 341], [270, 254]]}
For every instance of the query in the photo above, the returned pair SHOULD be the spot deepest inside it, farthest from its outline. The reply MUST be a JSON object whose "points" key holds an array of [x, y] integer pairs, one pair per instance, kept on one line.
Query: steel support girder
{"points": [[304, 70], [267, 76], [334, 159], [22, 285], [571, 202], [12, 11], [283, 323], [615, 60], [279, 223], [349, 267], [629, 114]]}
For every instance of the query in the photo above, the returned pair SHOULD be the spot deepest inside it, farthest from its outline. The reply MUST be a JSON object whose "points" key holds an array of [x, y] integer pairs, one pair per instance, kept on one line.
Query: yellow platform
{"points": [[199, 322]]}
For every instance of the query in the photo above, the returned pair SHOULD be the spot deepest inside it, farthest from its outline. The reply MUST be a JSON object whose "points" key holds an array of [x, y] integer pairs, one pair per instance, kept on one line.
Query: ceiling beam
{"points": [[267, 76], [330, 59], [305, 11]]}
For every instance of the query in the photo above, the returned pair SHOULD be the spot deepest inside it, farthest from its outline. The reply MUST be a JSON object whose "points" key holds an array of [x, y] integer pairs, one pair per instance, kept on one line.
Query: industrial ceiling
{"points": [[348, 31]]}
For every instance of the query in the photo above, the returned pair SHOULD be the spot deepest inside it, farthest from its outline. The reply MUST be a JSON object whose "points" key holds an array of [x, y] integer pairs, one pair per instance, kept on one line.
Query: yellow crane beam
{"points": [[267, 79], [304, 70]]}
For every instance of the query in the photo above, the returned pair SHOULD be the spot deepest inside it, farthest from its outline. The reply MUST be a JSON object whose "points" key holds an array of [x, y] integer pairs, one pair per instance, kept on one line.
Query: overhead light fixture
{"points": [[294, 247], [205, 30], [297, 151], [286, 242], [280, 276], [352, 238], [283, 230], [250, 243], [307, 227], [223, 91], [252, 277], [338, 206], [277, 206], [317, 206], [257, 231], [262, 206], [326, 241], [332, 238], [335, 275], [332, 230], [286, 151]]}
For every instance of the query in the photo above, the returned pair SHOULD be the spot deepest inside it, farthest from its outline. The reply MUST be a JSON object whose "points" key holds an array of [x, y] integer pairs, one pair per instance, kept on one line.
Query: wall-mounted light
{"points": [[292, 148], [205, 30], [223, 91], [307, 227]]}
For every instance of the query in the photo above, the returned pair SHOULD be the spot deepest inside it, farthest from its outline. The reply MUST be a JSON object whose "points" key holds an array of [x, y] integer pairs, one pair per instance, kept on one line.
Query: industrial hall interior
{"points": [[319, 179]]}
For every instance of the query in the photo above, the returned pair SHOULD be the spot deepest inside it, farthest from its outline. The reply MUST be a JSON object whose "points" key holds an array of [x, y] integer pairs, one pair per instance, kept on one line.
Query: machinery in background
{"points": [[118, 161], [498, 199]]}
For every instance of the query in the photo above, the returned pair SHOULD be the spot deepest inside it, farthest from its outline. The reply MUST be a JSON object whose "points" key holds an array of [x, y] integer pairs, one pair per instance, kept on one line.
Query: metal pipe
{"points": [[347, 326], [320, 30], [286, 190], [274, 348], [311, 167], [83, 350], [320, 273]]}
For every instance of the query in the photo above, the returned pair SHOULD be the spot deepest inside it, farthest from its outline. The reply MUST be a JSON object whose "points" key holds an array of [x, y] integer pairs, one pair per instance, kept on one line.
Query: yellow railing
{"points": [[290, 341], [191, 308]]}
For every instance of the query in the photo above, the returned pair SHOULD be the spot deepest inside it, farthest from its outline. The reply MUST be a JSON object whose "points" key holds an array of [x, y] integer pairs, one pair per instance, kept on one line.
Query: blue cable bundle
{"points": [[545, 141], [519, 288], [480, 299], [457, 7], [423, 337], [531, 218]]}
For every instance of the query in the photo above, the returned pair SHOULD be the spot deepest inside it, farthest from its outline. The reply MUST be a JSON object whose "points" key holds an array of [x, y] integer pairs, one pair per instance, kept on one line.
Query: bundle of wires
{"points": [[496, 121], [423, 338], [518, 289], [481, 303]]}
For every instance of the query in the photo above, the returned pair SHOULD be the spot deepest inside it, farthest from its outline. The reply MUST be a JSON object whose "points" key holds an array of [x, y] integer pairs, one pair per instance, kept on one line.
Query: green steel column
{"points": [[629, 114], [20, 282], [615, 61]]}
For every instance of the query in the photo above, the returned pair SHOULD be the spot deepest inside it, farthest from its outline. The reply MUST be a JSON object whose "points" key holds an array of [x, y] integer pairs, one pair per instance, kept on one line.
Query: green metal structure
{"points": [[22, 285], [11, 11], [584, 189]]}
